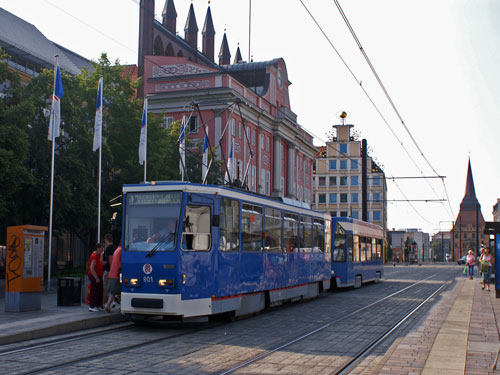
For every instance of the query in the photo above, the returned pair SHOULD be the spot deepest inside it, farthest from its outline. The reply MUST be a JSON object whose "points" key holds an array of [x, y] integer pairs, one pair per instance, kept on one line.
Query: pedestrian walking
{"points": [[470, 263], [486, 265], [107, 258], [114, 286], [95, 277]]}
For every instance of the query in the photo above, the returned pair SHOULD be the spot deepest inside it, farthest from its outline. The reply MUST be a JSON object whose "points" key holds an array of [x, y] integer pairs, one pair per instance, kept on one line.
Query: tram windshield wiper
{"points": [[161, 241]]}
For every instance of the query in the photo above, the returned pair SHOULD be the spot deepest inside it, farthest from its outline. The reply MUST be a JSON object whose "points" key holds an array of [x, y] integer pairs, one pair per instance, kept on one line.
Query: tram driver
{"points": [[166, 233]]}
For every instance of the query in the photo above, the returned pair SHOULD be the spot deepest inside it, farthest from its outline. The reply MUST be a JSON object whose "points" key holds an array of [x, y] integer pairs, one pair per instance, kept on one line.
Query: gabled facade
{"points": [[338, 180], [468, 229], [245, 103]]}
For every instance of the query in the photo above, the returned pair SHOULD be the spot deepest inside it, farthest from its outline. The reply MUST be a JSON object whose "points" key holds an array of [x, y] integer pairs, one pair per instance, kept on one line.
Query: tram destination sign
{"points": [[156, 198]]}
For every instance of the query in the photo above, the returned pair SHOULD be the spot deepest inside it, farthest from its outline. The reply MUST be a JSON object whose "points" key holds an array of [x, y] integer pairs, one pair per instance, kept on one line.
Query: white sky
{"points": [[439, 61]]}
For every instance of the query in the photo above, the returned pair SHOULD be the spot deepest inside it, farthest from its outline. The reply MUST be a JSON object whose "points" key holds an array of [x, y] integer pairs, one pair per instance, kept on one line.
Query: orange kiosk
{"points": [[24, 268]]}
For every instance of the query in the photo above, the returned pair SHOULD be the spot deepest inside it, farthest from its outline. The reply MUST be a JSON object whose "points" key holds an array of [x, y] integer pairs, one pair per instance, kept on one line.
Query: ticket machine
{"points": [[24, 268]]}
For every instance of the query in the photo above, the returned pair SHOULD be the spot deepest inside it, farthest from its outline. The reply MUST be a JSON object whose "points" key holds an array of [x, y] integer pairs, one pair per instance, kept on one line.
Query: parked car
{"points": [[462, 260]]}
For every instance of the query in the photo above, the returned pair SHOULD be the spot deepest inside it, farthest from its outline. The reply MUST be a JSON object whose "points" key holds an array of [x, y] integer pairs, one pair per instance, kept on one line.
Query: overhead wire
{"points": [[365, 92], [391, 102]]}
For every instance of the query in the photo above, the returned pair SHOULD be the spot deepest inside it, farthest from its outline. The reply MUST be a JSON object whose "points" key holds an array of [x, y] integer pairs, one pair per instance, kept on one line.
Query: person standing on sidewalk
{"points": [[95, 277], [486, 264], [114, 286], [107, 258], [470, 262]]}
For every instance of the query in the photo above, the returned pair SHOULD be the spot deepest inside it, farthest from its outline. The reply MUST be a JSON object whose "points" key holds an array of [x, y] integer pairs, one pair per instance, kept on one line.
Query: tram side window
{"points": [[291, 232], [368, 248], [229, 227], [374, 248], [306, 234], [362, 241], [196, 228], [349, 248], [339, 244], [356, 248], [379, 249], [319, 236], [274, 223], [251, 227]]}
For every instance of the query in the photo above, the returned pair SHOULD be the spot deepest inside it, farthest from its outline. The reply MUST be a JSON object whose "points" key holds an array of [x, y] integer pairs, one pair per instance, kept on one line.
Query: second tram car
{"points": [[192, 250], [357, 252]]}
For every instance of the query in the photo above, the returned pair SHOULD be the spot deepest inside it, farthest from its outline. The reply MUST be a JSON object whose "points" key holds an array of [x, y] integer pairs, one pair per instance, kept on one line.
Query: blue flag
{"points": [[55, 113], [204, 163], [98, 117], [144, 134], [182, 147]]}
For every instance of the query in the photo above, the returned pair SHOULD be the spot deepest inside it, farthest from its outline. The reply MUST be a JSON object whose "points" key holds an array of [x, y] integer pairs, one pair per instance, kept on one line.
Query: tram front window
{"points": [[152, 221]]}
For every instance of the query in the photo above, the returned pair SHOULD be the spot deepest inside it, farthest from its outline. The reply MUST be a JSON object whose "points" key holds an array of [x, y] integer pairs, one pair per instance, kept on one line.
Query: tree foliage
{"points": [[25, 151]]}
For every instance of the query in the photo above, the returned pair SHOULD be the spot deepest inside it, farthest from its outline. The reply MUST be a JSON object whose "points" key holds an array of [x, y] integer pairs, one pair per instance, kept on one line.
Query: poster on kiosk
{"points": [[24, 268]]}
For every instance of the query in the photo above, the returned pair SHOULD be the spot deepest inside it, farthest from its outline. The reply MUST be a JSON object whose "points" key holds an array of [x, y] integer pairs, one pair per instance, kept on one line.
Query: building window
{"points": [[343, 213], [321, 181], [267, 144], [167, 121], [343, 180], [261, 141], [376, 197], [343, 198], [376, 180], [333, 198], [321, 198], [240, 132], [268, 183], [354, 164], [333, 213], [343, 148], [333, 181], [354, 181], [253, 137], [354, 198], [193, 124], [343, 164], [233, 127], [355, 214], [376, 216], [332, 164]]}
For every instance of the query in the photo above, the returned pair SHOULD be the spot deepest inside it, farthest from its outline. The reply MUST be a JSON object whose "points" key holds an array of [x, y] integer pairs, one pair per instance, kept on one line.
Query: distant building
{"points": [[30, 51], [338, 180], [245, 105], [468, 229], [410, 245], [441, 245], [496, 211]]}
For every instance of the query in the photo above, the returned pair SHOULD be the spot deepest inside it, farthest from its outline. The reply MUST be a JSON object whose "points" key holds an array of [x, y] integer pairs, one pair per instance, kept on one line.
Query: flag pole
{"points": [[51, 124], [98, 145], [146, 142]]}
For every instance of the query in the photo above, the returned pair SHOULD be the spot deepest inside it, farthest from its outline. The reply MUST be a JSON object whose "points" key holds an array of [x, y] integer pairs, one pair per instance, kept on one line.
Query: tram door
{"points": [[196, 263]]}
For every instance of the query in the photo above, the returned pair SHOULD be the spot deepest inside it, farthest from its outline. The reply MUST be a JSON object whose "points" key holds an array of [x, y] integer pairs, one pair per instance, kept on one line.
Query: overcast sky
{"points": [[439, 61]]}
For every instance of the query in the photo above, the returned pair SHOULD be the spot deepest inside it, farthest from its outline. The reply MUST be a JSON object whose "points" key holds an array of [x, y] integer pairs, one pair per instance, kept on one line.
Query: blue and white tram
{"points": [[192, 250], [357, 252]]}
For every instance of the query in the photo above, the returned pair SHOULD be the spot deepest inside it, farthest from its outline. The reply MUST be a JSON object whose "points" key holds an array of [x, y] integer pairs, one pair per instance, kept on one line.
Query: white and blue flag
{"points": [[55, 113], [230, 164], [144, 134], [182, 147], [204, 163], [98, 117]]}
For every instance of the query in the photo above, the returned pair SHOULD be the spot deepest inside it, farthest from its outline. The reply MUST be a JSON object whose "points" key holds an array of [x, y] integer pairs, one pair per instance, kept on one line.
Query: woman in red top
{"points": [[95, 276]]}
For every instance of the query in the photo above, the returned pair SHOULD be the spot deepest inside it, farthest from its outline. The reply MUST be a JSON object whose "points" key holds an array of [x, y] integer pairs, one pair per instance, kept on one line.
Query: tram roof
{"points": [[244, 195]]}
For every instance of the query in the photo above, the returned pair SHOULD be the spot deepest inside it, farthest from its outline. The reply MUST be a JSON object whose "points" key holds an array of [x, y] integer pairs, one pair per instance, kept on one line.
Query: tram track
{"points": [[355, 359]]}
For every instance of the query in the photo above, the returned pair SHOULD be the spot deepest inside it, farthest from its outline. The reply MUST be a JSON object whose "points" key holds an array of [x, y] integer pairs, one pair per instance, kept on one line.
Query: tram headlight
{"points": [[166, 283], [134, 282]]}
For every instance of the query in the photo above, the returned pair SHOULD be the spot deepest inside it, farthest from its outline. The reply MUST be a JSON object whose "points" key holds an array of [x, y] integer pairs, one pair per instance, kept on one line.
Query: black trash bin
{"points": [[69, 290]]}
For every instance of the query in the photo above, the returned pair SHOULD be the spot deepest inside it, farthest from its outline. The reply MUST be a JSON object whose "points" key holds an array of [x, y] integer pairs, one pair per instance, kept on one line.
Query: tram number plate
{"points": [[147, 279]]}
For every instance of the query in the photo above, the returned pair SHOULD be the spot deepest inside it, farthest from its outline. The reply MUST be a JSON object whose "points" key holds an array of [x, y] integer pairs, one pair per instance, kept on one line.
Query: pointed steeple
{"points": [[208, 32], [238, 58], [191, 29], [469, 202], [170, 16], [224, 53]]}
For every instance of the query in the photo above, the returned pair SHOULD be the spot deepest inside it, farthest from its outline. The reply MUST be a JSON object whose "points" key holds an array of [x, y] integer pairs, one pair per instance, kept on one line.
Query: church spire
{"points": [[224, 53], [469, 202], [191, 29], [237, 57], [208, 32], [170, 16]]}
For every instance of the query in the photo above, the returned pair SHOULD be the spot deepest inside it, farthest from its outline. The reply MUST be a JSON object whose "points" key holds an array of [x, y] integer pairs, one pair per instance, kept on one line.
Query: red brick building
{"points": [[244, 102]]}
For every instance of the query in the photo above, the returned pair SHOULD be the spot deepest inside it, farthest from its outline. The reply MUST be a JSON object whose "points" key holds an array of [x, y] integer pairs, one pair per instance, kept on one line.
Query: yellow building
{"points": [[338, 187]]}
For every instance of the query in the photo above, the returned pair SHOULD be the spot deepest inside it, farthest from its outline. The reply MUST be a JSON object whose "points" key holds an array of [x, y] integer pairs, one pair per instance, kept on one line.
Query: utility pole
{"points": [[364, 190]]}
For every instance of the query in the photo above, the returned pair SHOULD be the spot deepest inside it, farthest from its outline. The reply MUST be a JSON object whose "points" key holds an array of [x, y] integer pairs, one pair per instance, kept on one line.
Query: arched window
{"points": [[170, 50], [158, 46], [180, 54]]}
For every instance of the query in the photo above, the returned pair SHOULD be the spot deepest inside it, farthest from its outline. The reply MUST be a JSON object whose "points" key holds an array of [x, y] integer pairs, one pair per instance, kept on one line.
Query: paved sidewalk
{"points": [[460, 335], [50, 320]]}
